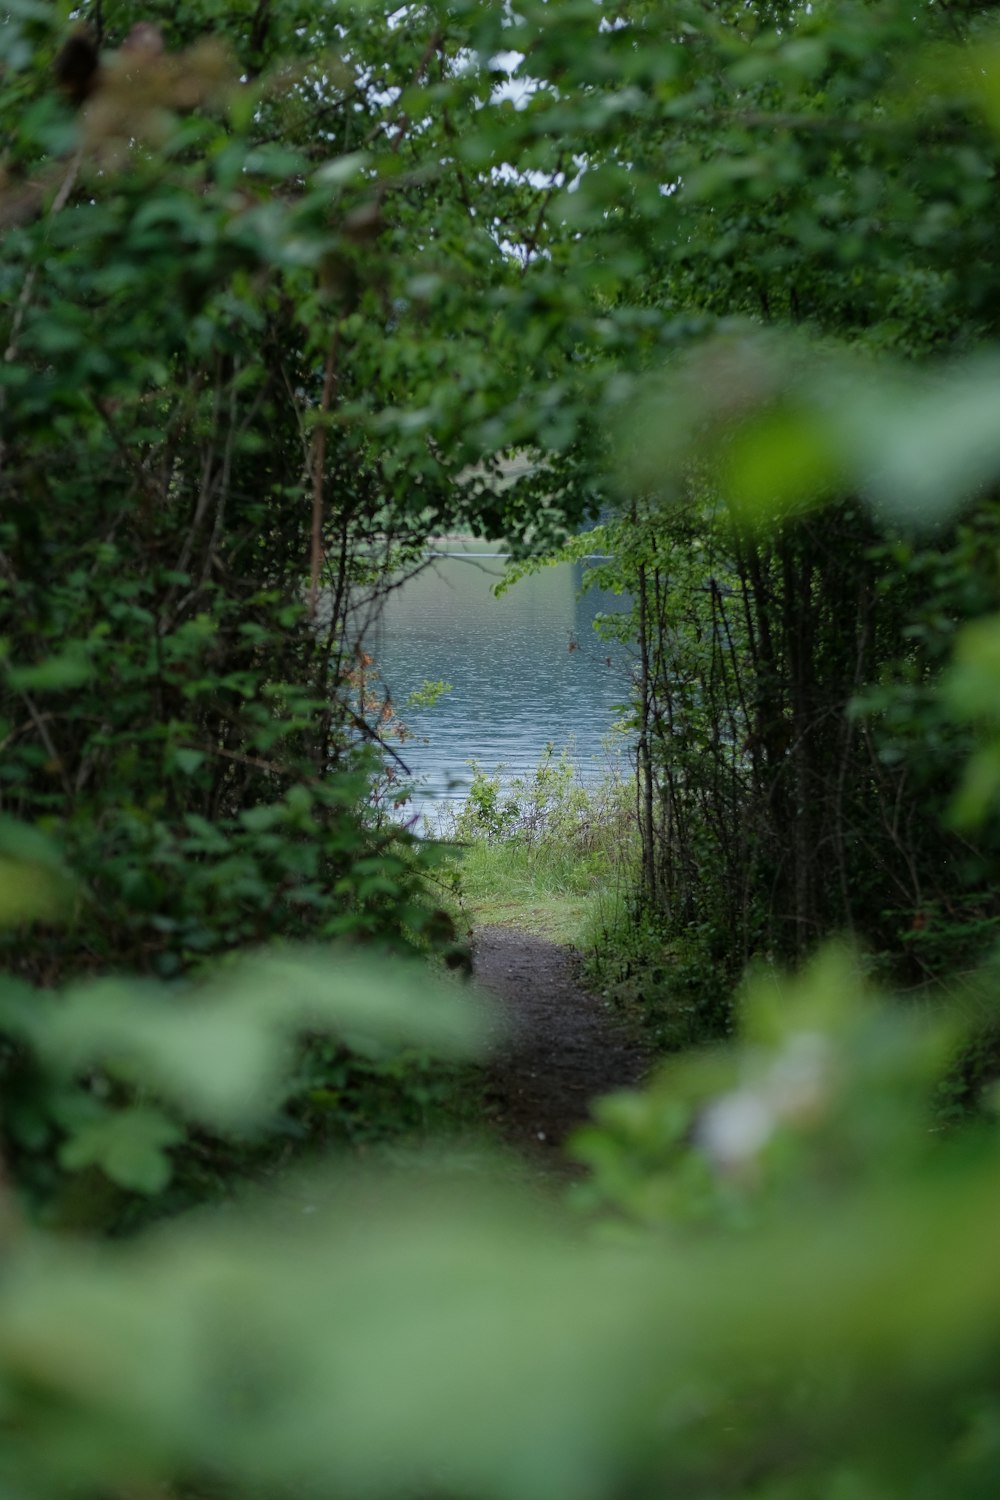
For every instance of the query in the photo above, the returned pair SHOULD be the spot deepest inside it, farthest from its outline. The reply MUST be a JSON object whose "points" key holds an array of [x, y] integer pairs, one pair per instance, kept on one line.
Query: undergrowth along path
{"points": [[563, 1046]]}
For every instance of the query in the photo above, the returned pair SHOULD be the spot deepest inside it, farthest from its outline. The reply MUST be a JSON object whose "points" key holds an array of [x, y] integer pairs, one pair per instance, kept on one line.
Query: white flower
{"points": [[794, 1087], [736, 1127]]}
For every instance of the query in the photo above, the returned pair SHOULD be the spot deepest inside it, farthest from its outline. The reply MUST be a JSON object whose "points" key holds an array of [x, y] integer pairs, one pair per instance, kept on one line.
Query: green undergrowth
{"points": [[503, 886], [542, 853], [679, 988]]}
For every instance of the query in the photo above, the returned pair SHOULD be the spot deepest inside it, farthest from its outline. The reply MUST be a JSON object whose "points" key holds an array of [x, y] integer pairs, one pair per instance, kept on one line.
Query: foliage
{"points": [[796, 1292], [269, 321], [550, 805], [201, 499], [104, 1079], [796, 755], [173, 706]]}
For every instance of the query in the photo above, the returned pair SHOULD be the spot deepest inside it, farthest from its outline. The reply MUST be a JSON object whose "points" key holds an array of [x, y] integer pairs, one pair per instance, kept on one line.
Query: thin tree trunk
{"points": [[644, 764]]}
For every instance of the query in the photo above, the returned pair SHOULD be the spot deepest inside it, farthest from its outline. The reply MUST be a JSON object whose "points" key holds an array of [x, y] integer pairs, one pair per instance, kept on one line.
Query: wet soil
{"points": [[561, 1046]]}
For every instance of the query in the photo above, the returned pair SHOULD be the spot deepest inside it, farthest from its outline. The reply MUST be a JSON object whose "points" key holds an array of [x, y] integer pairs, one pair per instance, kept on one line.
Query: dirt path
{"points": [[563, 1046]]}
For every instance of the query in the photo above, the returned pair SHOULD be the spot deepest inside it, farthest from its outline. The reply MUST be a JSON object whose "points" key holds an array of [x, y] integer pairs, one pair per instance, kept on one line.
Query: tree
{"points": [[794, 765]]}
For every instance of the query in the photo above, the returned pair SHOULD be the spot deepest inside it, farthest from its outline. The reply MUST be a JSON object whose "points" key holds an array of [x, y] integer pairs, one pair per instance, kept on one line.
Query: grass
{"points": [[503, 886], [544, 854]]}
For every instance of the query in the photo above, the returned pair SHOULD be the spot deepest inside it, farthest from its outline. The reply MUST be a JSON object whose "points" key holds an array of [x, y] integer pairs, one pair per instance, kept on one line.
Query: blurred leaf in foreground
{"points": [[222, 1053], [432, 1336], [34, 883], [129, 1145], [380, 1335], [780, 424], [971, 692]]}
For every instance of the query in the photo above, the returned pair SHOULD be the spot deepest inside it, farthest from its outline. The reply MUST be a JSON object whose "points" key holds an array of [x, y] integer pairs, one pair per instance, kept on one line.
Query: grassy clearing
{"points": [[509, 887], [543, 853]]}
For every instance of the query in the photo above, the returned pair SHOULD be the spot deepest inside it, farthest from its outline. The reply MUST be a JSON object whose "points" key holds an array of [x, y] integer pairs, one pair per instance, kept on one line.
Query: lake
{"points": [[525, 670]]}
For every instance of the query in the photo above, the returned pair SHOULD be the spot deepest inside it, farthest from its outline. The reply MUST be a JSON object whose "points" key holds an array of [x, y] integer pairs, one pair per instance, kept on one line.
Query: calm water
{"points": [[525, 670]]}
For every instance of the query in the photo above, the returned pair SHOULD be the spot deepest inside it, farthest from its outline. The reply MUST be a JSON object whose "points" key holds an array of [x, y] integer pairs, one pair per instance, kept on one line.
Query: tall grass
{"points": [[543, 852]]}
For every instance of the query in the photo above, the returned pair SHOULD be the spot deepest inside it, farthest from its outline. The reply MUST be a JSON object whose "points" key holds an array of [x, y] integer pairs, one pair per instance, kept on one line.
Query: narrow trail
{"points": [[562, 1045]]}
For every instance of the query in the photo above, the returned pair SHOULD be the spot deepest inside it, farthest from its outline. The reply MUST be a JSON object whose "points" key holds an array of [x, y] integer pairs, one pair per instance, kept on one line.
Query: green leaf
{"points": [[71, 668], [222, 1056], [972, 685], [187, 760], [978, 794], [129, 1146], [35, 884], [276, 161], [260, 819], [781, 462], [341, 169]]}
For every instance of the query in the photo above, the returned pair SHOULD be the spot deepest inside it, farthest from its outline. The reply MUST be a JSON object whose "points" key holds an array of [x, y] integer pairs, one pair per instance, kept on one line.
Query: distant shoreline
{"points": [[486, 548]]}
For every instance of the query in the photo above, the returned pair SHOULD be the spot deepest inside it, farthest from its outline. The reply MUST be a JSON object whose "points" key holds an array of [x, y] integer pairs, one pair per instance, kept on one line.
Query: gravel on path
{"points": [[561, 1046]]}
